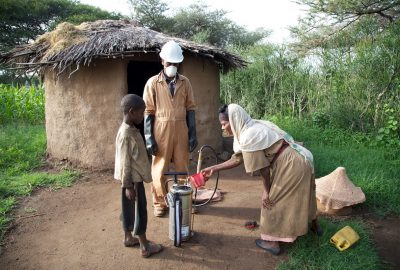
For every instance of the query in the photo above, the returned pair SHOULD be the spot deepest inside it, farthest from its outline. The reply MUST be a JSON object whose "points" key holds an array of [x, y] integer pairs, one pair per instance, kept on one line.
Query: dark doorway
{"points": [[138, 74]]}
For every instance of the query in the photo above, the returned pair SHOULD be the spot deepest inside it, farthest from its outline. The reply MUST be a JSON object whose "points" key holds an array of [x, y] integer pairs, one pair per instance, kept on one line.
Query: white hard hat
{"points": [[171, 52]]}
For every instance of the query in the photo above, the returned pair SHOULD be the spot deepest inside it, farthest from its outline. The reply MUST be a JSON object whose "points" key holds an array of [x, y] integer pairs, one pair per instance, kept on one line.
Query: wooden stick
{"points": [[35, 215]]}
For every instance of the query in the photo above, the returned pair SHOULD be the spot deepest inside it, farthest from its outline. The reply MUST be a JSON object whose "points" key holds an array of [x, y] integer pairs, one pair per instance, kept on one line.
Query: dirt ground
{"points": [[79, 228]]}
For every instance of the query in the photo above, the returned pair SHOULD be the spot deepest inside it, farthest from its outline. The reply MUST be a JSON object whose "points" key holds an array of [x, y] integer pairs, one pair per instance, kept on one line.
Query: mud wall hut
{"points": [[87, 69]]}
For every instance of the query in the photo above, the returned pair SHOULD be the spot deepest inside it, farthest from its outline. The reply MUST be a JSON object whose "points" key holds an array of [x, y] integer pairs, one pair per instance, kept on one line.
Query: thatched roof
{"points": [[73, 46]]}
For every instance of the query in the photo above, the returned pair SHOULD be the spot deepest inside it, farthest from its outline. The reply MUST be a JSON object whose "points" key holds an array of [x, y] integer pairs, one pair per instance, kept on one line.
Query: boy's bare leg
{"points": [[147, 248]]}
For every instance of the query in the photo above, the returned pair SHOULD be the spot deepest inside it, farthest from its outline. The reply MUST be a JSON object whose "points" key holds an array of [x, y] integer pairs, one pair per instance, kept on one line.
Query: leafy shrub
{"points": [[24, 104], [389, 134]]}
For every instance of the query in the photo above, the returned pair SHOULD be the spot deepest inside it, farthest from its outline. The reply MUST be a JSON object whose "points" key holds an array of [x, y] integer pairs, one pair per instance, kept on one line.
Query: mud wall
{"points": [[83, 112], [204, 76]]}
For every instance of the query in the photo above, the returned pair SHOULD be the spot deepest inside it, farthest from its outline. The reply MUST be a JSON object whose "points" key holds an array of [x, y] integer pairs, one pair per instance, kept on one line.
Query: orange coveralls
{"points": [[170, 129]]}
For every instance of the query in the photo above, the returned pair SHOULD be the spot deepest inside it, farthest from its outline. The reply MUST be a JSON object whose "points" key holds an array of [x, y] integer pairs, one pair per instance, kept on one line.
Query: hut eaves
{"points": [[72, 46]]}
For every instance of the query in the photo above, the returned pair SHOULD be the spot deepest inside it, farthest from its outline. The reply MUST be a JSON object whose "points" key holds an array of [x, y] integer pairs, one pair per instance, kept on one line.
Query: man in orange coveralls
{"points": [[169, 122]]}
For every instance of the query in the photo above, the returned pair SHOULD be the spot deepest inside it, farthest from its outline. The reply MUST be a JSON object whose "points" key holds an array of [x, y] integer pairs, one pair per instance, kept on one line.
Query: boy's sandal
{"points": [[151, 249], [131, 243]]}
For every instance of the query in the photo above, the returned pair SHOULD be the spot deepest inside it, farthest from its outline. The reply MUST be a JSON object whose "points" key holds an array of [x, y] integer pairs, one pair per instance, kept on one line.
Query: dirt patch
{"points": [[79, 228], [387, 238]]}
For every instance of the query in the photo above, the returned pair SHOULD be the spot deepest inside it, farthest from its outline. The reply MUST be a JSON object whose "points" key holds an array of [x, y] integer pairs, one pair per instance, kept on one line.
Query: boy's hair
{"points": [[223, 112], [132, 101]]}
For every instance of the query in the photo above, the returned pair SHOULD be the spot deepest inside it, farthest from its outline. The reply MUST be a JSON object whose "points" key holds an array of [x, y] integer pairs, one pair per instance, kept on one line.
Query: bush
{"points": [[21, 104]]}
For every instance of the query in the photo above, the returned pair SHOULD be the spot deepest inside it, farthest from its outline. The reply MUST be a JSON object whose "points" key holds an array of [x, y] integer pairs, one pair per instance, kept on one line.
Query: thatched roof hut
{"points": [[87, 69]]}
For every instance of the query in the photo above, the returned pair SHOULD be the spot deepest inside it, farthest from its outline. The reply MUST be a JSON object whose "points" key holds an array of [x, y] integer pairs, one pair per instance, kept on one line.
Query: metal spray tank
{"points": [[179, 200]]}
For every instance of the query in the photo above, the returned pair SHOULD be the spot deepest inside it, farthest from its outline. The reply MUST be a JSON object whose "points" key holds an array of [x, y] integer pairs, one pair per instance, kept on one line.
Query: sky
{"points": [[275, 15]]}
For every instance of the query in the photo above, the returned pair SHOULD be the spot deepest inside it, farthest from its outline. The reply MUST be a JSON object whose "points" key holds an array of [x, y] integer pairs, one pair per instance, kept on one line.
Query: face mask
{"points": [[170, 71]]}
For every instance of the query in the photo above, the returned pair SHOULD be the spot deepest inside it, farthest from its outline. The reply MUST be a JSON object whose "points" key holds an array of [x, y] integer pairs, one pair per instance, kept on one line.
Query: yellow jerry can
{"points": [[344, 238]]}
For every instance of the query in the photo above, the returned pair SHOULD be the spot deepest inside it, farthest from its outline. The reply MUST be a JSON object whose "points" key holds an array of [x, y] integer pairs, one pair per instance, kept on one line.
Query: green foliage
{"points": [[275, 82], [196, 23], [343, 88], [22, 148], [22, 21], [197, 19], [24, 184], [79, 13], [21, 104], [312, 252], [338, 23], [389, 134], [5, 207], [151, 13]]}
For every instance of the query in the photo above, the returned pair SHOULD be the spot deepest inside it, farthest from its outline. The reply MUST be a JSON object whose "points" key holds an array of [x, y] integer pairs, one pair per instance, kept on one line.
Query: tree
{"points": [[79, 13], [334, 23], [199, 23], [22, 21], [196, 23], [356, 43], [150, 13]]}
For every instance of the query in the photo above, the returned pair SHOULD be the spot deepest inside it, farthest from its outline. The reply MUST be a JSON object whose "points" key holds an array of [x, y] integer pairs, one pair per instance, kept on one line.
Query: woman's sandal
{"points": [[151, 249], [316, 228], [273, 250]]}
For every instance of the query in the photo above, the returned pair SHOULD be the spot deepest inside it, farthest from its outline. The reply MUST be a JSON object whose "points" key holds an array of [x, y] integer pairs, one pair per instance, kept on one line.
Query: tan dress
{"points": [[292, 190]]}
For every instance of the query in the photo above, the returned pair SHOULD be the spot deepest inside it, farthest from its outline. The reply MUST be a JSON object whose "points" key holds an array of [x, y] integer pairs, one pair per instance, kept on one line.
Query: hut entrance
{"points": [[137, 74]]}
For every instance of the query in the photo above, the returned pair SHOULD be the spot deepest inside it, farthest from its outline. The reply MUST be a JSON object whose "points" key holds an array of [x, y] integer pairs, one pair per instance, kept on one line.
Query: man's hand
{"points": [[266, 202], [130, 193]]}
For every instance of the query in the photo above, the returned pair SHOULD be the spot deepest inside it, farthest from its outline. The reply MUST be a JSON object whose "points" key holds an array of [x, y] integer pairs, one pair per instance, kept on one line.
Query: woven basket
{"points": [[336, 191]]}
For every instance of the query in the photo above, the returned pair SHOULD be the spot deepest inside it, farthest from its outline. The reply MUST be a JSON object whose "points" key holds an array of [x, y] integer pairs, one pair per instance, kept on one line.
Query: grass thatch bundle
{"points": [[64, 36]]}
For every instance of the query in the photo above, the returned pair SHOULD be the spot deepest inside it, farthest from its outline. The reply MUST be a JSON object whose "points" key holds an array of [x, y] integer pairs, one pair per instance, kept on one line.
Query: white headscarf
{"points": [[251, 135]]}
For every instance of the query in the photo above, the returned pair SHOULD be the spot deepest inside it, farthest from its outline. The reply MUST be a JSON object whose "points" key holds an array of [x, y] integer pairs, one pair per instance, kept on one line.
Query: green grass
{"points": [[375, 169], [367, 168], [22, 149], [312, 252]]}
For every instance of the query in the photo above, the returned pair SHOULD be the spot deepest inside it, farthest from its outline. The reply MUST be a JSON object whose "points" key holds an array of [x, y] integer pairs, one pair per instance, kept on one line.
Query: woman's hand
{"points": [[266, 202], [207, 173]]}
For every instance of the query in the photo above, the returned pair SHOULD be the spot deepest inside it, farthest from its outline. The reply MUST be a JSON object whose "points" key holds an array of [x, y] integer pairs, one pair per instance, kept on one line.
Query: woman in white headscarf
{"points": [[287, 171]]}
